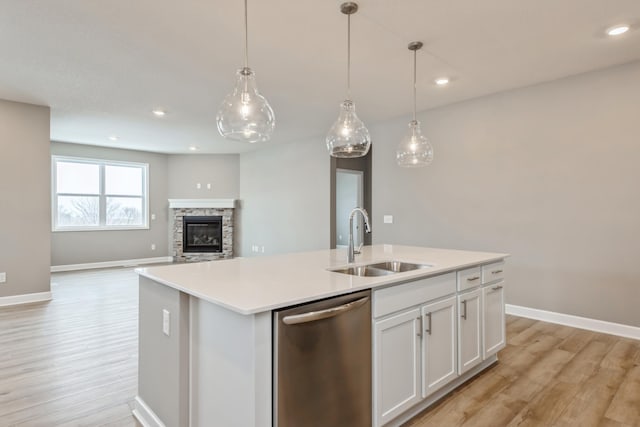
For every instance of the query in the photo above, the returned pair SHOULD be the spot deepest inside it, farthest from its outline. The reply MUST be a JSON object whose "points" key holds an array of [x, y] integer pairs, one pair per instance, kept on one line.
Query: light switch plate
{"points": [[388, 219]]}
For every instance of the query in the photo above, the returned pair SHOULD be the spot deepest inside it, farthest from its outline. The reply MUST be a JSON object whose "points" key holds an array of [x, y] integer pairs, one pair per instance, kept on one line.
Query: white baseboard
{"points": [[575, 321], [25, 298], [145, 415], [107, 264]]}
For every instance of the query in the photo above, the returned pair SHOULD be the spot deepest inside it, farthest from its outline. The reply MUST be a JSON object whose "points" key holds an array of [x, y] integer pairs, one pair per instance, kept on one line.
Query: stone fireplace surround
{"points": [[179, 208]]}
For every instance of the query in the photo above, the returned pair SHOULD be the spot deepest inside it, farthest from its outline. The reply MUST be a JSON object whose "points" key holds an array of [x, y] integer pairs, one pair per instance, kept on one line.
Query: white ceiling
{"points": [[103, 66]]}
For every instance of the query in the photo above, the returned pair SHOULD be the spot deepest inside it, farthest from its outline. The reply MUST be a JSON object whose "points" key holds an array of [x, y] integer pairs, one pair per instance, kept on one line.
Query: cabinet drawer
{"points": [[469, 278], [493, 272], [394, 298]]}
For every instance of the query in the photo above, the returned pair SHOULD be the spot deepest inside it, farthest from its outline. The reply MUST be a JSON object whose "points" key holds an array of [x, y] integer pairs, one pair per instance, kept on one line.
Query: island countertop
{"points": [[258, 284]]}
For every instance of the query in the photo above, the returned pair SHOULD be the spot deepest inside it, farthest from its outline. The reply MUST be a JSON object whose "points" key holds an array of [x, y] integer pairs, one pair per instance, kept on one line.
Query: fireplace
{"points": [[202, 234]]}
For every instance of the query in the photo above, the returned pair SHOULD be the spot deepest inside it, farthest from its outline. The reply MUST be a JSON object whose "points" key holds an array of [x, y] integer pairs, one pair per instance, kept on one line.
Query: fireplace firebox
{"points": [[202, 234]]}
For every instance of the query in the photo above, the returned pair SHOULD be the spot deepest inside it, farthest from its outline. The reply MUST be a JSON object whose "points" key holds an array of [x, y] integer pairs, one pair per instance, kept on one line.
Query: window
{"points": [[98, 194]]}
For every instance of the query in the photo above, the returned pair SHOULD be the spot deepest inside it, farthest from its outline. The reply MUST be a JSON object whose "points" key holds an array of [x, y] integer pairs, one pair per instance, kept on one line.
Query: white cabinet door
{"points": [[493, 321], [396, 364], [438, 345], [469, 330]]}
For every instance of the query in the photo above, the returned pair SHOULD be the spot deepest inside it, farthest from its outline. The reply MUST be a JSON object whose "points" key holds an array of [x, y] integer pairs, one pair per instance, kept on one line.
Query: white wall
{"points": [[285, 198], [25, 214], [548, 173], [222, 171]]}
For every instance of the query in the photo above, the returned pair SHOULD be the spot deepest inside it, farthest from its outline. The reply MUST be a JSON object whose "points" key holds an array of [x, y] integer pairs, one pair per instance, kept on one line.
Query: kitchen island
{"points": [[206, 329]]}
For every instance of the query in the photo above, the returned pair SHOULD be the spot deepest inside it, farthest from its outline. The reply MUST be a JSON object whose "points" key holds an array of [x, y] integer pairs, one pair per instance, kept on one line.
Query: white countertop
{"points": [[254, 285]]}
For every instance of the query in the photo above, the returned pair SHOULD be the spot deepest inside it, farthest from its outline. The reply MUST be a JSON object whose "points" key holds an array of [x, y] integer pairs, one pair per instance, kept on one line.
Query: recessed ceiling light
{"points": [[617, 30], [442, 81], [159, 113], [114, 137], [193, 148]]}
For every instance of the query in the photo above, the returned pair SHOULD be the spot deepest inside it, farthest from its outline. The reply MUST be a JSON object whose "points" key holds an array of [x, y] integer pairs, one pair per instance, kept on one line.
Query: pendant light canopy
{"points": [[414, 149], [245, 115], [348, 137]]}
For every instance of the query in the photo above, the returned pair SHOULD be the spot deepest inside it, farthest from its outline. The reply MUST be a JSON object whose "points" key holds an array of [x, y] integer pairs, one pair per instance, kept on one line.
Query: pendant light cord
{"points": [[415, 53], [349, 56], [246, 36]]}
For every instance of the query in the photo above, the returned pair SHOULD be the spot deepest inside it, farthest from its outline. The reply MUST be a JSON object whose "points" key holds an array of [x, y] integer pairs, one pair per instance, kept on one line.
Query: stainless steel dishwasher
{"points": [[322, 363]]}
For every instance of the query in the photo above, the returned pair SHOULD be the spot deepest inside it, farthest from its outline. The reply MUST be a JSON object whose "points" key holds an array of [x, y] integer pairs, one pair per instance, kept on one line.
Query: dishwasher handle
{"points": [[323, 314]]}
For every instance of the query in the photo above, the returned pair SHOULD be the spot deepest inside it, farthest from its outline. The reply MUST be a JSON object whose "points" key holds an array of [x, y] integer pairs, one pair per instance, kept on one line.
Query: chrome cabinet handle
{"points": [[496, 288], [428, 330], [496, 272], [323, 314], [472, 279], [464, 312], [419, 334]]}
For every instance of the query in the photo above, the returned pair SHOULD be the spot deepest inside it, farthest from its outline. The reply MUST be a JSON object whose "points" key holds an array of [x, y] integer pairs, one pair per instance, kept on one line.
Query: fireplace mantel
{"points": [[202, 203]]}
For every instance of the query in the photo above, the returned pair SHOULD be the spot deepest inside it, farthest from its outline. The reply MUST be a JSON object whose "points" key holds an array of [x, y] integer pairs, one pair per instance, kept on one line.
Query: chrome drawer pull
{"points": [[464, 313], [428, 330], [496, 288], [496, 272], [420, 328], [472, 279]]}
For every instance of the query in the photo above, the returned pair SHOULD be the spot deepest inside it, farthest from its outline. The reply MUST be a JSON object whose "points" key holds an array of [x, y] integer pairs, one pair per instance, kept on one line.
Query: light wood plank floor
{"points": [[73, 362], [548, 375]]}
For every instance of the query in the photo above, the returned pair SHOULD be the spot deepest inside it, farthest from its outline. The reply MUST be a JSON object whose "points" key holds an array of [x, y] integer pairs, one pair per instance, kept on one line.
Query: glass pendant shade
{"points": [[348, 137], [245, 115], [414, 149]]}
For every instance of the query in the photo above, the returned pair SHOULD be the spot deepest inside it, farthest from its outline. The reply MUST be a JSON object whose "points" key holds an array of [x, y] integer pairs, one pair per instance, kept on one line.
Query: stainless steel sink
{"points": [[399, 266], [364, 270], [381, 268]]}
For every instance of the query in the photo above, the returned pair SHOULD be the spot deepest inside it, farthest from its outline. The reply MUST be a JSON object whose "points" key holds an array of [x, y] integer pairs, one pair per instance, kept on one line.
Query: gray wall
{"points": [[547, 173], [285, 198], [222, 171], [25, 212], [79, 247]]}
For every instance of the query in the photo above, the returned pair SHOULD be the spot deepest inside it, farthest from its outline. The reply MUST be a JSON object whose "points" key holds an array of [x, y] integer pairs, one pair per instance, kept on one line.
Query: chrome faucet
{"points": [[351, 253]]}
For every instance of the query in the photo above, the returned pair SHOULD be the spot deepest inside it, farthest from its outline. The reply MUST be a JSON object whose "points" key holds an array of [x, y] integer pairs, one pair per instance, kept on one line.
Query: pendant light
{"points": [[245, 115], [414, 150], [348, 137]]}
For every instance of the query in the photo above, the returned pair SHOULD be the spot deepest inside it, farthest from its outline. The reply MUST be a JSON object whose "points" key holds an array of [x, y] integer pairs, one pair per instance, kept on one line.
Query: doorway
{"points": [[350, 188]]}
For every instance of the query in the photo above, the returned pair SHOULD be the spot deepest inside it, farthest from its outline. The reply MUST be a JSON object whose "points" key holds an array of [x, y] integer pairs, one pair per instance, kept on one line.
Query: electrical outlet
{"points": [[388, 219], [3, 277], [166, 319], [153, 217], [209, 186], [198, 186], [153, 246], [262, 249]]}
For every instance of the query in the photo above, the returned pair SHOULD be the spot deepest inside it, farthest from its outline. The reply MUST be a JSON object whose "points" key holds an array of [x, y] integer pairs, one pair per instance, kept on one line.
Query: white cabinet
{"points": [[493, 321], [429, 332], [493, 302], [438, 345], [396, 364], [469, 330]]}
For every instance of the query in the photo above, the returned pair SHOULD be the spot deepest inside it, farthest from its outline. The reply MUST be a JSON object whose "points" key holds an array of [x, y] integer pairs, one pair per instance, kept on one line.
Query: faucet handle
{"points": [[357, 251]]}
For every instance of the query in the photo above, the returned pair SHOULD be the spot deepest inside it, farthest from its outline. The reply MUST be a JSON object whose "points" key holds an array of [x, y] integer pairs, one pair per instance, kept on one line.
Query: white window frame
{"points": [[102, 196]]}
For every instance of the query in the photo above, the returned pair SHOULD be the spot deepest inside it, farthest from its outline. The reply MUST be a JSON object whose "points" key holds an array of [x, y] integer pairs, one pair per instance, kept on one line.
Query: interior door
{"points": [[349, 194]]}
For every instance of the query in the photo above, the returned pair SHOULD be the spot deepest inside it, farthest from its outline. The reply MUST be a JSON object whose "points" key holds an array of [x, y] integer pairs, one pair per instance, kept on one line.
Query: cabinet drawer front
{"points": [[469, 278], [394, 298], [493, 272]]}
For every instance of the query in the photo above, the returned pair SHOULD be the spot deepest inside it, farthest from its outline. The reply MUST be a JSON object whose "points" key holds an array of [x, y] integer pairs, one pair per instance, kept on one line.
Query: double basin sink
{"points": [[381, 268]]}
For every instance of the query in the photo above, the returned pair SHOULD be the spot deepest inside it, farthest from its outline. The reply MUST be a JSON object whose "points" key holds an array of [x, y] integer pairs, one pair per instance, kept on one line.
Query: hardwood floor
{"points": [[73, 362], [548, 375]]}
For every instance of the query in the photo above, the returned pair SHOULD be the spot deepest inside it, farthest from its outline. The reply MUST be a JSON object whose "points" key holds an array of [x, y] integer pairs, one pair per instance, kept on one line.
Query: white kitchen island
{"points": [[206, 328]]}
